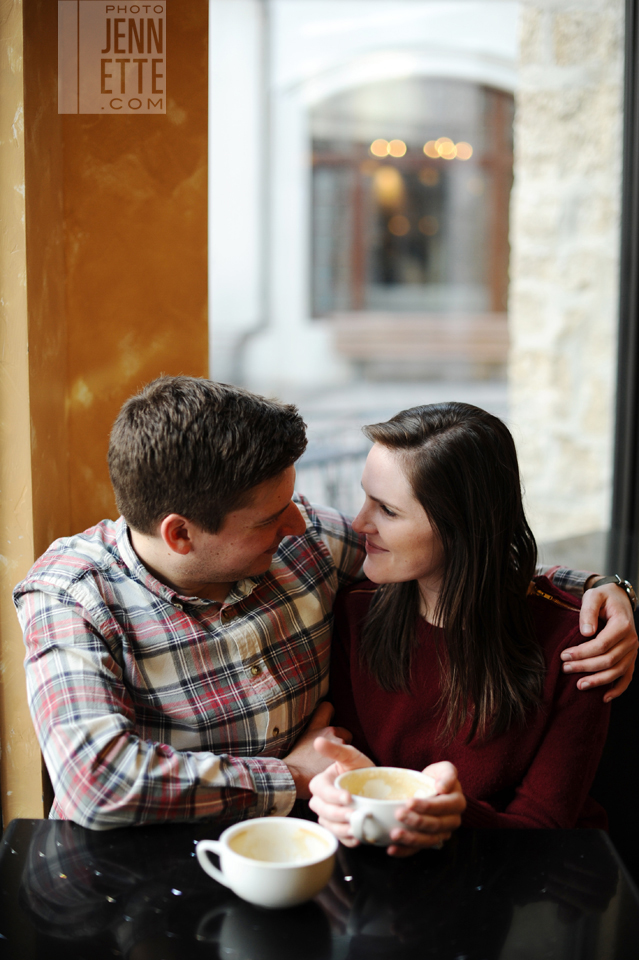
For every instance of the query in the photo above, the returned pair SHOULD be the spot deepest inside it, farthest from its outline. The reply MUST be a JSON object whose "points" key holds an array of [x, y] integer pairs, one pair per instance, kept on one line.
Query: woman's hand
{"points": [[329, 803], [427, 822]]}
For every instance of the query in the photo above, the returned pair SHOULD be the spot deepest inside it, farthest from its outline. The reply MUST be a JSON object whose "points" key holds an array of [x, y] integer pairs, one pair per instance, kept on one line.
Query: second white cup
{"points": [[377, 793], [272, 861]]}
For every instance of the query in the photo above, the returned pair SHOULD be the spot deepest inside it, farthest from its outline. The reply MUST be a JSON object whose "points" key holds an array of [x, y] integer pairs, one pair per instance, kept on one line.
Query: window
{"points": [[357, 278]]}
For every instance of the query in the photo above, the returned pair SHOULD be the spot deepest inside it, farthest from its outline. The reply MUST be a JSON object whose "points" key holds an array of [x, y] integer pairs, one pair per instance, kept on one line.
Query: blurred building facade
{"points": [[363, 227], [321, 243]]}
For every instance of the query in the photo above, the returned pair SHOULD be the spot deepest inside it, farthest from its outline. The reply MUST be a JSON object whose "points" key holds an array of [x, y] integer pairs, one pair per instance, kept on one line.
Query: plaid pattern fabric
{"points": [[149, 705], [571, 581]]}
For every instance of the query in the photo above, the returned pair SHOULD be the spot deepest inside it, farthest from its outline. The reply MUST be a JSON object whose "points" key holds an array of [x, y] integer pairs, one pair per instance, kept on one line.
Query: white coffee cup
{"points": [[272, 861], [376, 795]]}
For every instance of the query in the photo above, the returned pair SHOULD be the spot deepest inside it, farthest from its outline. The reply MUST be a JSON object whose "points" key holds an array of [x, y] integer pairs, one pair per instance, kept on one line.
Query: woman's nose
{"points": [[361, 523]]}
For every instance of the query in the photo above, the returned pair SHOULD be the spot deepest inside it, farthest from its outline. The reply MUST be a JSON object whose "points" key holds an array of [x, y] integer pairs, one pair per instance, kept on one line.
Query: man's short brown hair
{"points": [[195, 447]]}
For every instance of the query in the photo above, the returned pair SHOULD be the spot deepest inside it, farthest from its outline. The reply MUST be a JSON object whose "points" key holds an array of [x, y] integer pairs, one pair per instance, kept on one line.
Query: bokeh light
{"points": [[397, 148], [379, 148], [388, 186], [399, 225], [446, 148]]}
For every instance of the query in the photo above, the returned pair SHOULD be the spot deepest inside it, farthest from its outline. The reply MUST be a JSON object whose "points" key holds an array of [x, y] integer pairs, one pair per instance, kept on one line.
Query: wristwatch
{"points": [[624, 584]]}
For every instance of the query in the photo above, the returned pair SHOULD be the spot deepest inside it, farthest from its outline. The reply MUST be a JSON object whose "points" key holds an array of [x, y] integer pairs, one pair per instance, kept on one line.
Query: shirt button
{"points": [[228, 614], [178, 606], [272, 811], [254, 671], [276, 731]]}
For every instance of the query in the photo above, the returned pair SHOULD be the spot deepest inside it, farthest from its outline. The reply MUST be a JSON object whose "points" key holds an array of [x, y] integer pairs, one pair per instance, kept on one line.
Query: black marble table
{"points": [[139, 894]]}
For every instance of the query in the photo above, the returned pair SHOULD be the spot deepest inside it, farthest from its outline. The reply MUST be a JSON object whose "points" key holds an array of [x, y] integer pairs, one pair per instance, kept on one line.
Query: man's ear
{"points": [[176, 532]]}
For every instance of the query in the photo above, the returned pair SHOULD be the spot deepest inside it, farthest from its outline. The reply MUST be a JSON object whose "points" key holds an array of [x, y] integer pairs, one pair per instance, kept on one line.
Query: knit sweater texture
{"points": [[536, 775]]}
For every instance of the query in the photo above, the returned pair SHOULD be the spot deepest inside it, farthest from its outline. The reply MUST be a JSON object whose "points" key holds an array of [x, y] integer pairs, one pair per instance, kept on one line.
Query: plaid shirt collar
{"points": [[137, 571]]}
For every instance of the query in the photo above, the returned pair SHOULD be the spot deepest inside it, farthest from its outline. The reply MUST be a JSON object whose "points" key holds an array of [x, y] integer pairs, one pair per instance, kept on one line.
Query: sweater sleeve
{"points": [[554, 789]]}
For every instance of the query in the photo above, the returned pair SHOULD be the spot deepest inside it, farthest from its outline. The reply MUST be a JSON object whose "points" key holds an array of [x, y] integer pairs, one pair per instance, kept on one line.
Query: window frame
{"points": [[623, 545]]}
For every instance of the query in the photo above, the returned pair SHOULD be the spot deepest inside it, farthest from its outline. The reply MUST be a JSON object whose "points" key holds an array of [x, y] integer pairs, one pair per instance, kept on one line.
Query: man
{"points": [[176, 658]]}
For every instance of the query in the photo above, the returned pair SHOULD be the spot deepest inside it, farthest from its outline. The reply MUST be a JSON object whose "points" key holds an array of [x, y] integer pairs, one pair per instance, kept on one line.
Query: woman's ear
{"points": [[175, 531]]}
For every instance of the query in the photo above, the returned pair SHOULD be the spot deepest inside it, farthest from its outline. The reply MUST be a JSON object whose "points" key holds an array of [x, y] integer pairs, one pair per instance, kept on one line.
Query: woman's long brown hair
{"points": [[462, 466]]}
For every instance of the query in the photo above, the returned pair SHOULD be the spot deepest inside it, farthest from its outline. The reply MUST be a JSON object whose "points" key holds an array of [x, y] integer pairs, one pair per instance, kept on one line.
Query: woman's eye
{"points": [[387, 511]]}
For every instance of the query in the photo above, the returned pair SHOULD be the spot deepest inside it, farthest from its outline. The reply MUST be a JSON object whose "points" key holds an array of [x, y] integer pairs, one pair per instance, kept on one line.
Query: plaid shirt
{"points": [[149, 705], [571, 581]]}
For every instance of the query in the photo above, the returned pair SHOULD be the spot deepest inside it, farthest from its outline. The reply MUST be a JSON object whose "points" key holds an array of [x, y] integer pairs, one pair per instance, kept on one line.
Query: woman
{"points": [[451, 650]]}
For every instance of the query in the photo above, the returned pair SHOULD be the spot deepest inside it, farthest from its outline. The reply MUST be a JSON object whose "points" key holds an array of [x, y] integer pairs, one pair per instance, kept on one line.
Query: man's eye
{"points": [[387, 511]]}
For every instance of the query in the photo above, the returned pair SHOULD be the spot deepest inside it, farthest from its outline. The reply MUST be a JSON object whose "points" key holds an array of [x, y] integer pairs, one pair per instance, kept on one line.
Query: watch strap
{"points": [[625, 585]]}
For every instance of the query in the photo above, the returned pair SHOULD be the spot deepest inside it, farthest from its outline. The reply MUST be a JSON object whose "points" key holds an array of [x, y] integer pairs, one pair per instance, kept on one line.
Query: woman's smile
{"points": [[374, 547]]}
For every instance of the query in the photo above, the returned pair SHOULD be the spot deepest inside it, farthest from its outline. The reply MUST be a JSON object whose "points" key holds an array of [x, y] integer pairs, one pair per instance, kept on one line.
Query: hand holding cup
{"points": [[422, 821]]}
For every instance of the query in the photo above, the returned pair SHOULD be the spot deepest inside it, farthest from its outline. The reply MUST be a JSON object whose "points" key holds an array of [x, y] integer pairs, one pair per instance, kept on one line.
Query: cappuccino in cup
{"points": [[271, 844], [376, 793], [272, 861]]}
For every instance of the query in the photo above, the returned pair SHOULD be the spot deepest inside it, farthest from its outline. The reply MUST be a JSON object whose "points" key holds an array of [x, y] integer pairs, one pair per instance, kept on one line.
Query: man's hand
{"points": [[611, 655], [303, 761]]}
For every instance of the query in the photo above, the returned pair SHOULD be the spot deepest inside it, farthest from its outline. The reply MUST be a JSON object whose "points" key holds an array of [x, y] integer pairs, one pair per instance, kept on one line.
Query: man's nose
{"points": [[293, 524]]}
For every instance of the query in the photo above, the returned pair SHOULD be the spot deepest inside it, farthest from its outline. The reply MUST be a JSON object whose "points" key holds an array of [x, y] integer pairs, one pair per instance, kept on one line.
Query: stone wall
{"points": [[564, 261]]}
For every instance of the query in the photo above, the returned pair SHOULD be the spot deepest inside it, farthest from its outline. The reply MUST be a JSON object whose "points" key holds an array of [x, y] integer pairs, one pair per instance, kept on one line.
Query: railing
{"points": [[332, 475]]}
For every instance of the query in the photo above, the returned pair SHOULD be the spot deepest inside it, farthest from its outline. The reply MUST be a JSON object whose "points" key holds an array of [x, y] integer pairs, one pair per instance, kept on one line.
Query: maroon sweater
{"points": [[538, 775]]}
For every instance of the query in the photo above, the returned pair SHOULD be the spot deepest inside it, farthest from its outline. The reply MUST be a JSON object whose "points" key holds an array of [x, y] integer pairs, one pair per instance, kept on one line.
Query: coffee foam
{"points": [[273, 844], [379, 784]]}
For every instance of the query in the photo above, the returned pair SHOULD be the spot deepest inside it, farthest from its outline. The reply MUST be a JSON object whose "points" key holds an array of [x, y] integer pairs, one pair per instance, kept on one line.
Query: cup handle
{"points": [[201, 850], [365, 827]]}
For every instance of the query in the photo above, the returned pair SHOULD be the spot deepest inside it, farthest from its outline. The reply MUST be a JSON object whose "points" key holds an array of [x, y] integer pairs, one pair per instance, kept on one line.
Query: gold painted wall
{"points": [[103, 272], [45, 279], [135, 225]]}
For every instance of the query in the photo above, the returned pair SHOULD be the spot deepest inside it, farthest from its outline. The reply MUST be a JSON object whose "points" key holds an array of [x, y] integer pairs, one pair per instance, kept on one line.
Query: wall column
{"points": [[20, 764], [103, 287], [564, 266]]}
